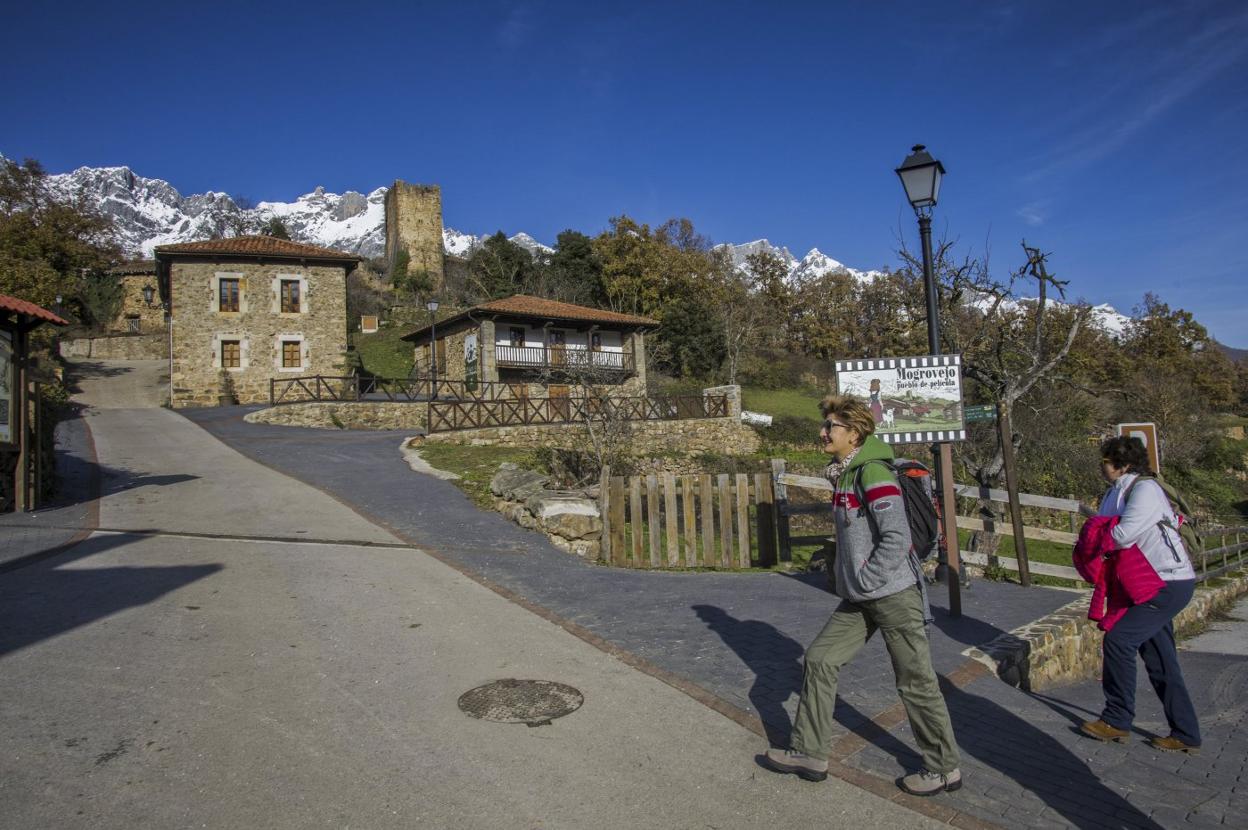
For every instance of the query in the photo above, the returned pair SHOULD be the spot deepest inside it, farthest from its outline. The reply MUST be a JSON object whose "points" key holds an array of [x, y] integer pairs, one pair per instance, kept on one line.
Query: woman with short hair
{"points": [[881, 587], [1146, 520]]}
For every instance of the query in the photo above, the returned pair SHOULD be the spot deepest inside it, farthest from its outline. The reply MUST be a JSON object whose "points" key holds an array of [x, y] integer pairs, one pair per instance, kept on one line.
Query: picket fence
{"points": [[689, 521]]}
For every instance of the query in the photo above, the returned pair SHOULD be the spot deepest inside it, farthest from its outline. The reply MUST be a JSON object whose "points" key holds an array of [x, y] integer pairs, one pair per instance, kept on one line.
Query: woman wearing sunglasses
{"points": [[881, 587]]}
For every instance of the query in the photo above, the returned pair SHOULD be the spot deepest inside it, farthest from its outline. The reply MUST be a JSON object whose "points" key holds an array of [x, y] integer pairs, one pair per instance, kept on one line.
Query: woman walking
{"points": [[1147, 521], [881, 587]]}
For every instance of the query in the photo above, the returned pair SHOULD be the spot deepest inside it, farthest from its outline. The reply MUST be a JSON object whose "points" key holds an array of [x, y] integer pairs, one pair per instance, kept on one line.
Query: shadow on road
{"points": [[47, 599]]}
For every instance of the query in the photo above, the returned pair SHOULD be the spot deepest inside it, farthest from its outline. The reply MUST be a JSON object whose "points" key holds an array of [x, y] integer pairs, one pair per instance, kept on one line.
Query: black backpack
{"points": [[917, 495]]}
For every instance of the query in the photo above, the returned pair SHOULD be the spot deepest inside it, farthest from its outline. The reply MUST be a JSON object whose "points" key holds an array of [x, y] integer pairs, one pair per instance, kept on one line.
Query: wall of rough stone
{"points": [[151, 319], [414, 223], [1065, 646], [199, 328], [118, 347], [694, 435], [349, 415]]}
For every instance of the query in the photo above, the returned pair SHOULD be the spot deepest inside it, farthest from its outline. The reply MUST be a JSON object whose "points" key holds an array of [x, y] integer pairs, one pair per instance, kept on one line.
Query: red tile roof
{"points": [[527, 306], [13, 304], [266, 246], [522, 305]]}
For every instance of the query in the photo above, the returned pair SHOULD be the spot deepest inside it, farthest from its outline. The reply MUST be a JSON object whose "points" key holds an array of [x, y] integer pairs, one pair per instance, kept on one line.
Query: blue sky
{"points": [[1110, 133]]}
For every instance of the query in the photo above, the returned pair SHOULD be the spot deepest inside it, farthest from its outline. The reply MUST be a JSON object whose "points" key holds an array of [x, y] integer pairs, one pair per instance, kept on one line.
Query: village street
{"points": [[235, 648], [273, 625]]}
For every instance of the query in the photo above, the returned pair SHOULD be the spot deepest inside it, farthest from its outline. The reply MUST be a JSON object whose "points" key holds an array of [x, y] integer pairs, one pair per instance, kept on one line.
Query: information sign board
{"points": [[913, 399], [1148, 434]]}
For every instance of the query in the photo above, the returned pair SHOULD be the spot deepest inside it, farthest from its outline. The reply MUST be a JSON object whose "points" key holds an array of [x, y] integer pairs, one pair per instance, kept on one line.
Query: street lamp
{"points": [[432, 306], [148, 294], [920, 175]]}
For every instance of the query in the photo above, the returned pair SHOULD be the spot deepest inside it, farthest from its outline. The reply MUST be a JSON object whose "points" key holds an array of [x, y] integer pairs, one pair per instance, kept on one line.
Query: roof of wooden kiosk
{"points": [[13, 304], [261, 246], [523, 305]]}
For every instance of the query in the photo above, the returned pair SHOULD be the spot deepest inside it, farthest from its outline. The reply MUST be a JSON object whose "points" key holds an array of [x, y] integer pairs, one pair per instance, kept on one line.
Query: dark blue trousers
{"points": [[1148, 630]]}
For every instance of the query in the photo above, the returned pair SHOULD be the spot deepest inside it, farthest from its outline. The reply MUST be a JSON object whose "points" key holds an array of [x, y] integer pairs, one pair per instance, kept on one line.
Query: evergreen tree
{"points": [[275, 227]]}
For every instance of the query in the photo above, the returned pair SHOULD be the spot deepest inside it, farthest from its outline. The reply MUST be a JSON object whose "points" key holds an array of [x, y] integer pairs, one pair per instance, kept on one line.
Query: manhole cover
{"points": [[521, 701]]}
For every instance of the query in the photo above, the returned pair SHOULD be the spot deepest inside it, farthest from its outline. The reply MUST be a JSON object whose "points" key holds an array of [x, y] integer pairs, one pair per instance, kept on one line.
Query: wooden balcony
{"points": [[539, 358]]}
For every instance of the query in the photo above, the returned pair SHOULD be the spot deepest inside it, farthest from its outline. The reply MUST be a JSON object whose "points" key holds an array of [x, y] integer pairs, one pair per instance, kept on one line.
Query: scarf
{"points": [[835, 469]]}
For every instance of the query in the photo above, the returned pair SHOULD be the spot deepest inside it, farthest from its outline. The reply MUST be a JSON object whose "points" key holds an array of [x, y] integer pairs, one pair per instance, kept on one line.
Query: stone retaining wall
{"points": [[693, 436], [118, 347], [1065, 646], [345, 415]]}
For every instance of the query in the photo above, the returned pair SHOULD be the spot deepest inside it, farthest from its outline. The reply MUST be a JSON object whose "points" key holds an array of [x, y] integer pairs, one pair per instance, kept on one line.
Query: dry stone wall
{"points": [[118, 347], [692, 436], [346, 415], [1066, 646], [200, 328]]}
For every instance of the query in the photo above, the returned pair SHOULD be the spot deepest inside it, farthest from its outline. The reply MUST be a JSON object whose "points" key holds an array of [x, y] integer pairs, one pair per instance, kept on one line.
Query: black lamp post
{"points": [[920, 175], [432, 305]]}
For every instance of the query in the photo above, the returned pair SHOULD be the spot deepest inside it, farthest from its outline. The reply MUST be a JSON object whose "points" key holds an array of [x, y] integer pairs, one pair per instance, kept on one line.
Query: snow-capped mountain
{"points": [[814, 264], [151, 212]]}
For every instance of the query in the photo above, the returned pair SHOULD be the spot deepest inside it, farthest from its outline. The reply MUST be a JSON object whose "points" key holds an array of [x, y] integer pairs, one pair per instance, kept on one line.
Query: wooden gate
{"points": [[689, 521]]}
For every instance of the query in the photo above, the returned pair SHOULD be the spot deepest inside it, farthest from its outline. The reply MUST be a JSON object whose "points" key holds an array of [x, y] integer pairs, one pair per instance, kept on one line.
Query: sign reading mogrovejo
{"points": [[913, 399]]}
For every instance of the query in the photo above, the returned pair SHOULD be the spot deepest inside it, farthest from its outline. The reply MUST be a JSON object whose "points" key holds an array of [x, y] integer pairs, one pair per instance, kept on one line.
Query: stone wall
{"points": [[694, 435], [347, 415], [119, 347], [199, 328], [414, 224], [151, 320], [1065, 646]]}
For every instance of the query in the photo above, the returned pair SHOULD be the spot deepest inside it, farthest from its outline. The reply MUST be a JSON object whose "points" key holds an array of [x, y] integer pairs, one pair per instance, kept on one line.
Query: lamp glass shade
{"points": [[148, 292], [432, 305], [920, 175]]}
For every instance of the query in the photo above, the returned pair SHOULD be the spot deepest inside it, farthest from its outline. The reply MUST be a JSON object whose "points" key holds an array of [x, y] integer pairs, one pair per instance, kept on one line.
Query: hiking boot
{"points": [[803, 766], [926, 783], [1172, 744], [1102, 731]]}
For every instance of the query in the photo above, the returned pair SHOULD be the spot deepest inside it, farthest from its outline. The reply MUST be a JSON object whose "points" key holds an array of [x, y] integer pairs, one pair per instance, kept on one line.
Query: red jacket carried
{"points": [[1120, 578]]}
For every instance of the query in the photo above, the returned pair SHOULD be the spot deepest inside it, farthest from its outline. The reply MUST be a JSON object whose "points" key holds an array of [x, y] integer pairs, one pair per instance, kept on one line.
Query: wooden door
{"points": [[560, 403], [558, 348]]}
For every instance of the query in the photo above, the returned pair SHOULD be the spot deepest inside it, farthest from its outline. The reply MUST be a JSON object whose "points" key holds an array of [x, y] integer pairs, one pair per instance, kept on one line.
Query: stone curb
{"points": [[1065, 646]]}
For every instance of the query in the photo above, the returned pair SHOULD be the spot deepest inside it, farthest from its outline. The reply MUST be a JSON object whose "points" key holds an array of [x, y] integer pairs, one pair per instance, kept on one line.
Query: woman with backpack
{"points": [[1148, 521], [881, 587]]}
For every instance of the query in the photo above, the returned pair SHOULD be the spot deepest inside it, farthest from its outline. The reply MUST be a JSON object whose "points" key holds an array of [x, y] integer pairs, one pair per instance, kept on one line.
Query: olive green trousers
{"points": [[900, 619]]}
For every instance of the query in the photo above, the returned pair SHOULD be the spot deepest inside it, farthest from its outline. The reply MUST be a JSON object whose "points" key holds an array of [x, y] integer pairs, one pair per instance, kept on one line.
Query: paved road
{"points": [[741, 637], [239, 649]]}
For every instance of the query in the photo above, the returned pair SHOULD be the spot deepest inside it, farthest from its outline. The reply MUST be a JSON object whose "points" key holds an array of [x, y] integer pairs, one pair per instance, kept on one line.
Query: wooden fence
{"points": [[474, 414], [689, 521]]}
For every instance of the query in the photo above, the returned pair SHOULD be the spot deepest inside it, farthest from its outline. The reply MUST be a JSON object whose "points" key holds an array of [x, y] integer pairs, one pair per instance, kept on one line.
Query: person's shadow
{"points": [[776, 661], [987, 732]]}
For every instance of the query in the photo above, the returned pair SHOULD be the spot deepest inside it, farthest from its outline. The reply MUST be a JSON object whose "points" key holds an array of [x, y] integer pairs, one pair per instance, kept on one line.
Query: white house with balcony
{"points": [[537, 347]]}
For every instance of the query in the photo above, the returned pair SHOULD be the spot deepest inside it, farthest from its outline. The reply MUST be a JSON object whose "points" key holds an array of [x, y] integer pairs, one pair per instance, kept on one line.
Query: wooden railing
{"points": [[1213, 562], [688, 521], [445, 416], [539, 357], [352, 388]]}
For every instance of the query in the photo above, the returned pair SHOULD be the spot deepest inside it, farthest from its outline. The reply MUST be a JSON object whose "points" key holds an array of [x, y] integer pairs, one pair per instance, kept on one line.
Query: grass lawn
{"points": [[383, 354], [475, 466], [796, 403]]}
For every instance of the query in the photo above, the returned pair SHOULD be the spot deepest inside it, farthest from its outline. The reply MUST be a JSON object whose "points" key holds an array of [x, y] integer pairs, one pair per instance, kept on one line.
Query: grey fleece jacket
{"points": [[870, 567]]}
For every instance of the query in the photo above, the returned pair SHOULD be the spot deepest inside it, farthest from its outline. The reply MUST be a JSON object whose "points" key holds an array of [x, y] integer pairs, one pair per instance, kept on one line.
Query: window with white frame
{"points": [[290, 353]]}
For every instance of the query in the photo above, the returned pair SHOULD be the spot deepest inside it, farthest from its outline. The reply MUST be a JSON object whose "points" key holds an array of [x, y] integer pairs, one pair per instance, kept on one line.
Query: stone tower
{"points": [[414, 224]]}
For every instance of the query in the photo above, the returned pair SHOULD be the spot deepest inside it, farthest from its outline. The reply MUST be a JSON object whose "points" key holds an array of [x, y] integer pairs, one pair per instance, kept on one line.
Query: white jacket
{"points": [[1139, 525]]}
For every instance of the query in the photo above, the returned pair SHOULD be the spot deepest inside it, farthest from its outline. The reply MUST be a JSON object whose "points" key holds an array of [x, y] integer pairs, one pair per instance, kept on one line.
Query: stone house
{"points": [[251, 309], [137, 315], [538, 348]]}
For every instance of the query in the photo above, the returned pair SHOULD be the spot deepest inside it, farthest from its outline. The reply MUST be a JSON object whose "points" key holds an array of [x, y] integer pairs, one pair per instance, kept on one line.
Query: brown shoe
{"points": [[1172, 744], [1102, 731]]}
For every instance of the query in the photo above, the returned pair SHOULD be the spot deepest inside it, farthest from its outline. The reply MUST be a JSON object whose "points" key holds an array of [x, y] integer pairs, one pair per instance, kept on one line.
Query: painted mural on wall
{"points": [[913, 399]]}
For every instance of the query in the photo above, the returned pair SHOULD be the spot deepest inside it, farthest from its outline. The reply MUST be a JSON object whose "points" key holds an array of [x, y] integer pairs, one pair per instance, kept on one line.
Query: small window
{"points": [[290, 296], [291, 359], [132, 324], [231, 353], [595, 342], [517, 338], [228, 300]]}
